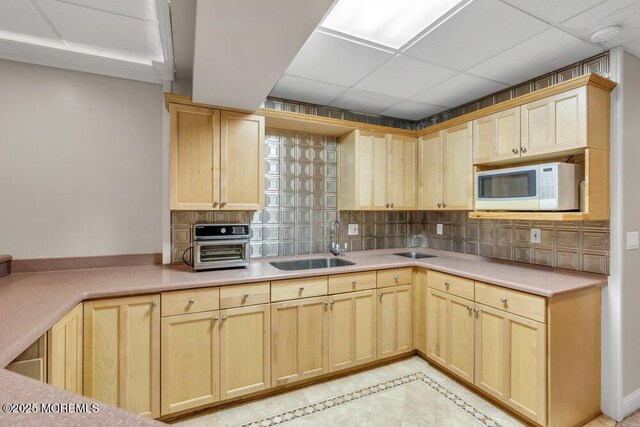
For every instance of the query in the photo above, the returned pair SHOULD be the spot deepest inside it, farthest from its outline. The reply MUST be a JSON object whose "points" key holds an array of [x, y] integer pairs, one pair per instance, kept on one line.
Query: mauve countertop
{"points": [[30, 303]]}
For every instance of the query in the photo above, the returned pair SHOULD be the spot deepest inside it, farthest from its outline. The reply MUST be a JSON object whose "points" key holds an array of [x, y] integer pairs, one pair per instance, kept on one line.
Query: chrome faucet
{"points": [[335, 239]]}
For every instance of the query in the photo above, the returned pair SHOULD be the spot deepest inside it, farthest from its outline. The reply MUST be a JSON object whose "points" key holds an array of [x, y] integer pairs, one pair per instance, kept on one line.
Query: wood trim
{"points": [[339, 127]]}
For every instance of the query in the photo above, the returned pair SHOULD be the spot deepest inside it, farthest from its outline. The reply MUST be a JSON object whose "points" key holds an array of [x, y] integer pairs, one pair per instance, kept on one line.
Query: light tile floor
{"points": [[405, 393]]}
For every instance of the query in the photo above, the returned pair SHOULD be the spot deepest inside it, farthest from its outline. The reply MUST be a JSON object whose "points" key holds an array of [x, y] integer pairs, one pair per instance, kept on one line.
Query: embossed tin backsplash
{"points": [[301, 203]]}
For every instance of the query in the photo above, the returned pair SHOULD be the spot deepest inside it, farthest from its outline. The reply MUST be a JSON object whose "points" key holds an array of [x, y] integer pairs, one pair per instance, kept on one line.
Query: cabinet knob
{"points": [[191, 301], [215, 318], [444, 205], [224, 318], [380, 296], [326, 303], [439, 205], [354, 282], [245, 296], [391, 205], [222, 204], [476, 310], [396, 277], [446, 285], [387, 205], [300, 289], [522, 149], [331, 303], [515, 151], [154, 304], [470, 309], [503, 300], [215, 204]]}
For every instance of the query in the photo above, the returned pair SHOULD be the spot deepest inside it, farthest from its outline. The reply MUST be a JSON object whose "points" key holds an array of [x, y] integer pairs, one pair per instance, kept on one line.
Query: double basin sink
{"points": [[308, 264]]}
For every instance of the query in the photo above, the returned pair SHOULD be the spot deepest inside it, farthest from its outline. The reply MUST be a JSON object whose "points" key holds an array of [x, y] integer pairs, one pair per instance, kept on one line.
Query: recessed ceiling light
{"points": [[606, 33], [390, 23]]}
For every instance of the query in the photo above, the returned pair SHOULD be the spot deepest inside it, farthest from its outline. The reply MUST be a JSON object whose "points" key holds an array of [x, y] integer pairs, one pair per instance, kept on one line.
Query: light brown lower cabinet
{"points": [[395, 334], [450, 334], [510, 360], [64, 352], [190, 361], [299, 339], [245, 350], [352, 329], [122, 353]]}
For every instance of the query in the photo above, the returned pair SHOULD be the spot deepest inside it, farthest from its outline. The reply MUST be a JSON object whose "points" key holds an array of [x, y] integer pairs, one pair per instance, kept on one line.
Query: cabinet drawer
{"points": [[241, 295], [190, 301], [455, 285], [516, 302], [352, 282], [396, 276], [282, 290]]}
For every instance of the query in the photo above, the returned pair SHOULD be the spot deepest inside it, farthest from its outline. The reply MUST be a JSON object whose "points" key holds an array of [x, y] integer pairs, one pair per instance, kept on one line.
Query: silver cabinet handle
{"points": [[354, 282], [154, 304], [522, 149], [515, 151], [191, 301], [380, 296], [476, 310], [224, 318], [300, 289], [446, 285], [392, 205], [444, 205], [387, 205], [326, 303], [215, 318], [439, 205], [215, 204], [331, 303], [470, 309], [245, 296], [503, 300], [396, 277]]}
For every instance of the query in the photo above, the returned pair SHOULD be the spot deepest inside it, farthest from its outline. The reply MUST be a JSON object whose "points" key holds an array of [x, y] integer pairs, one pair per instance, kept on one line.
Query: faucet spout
{"points": [[335, 239]]}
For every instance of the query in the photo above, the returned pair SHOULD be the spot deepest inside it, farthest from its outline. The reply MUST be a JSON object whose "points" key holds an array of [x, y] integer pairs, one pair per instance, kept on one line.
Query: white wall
{"points": [[80, 163], [630, 222]]}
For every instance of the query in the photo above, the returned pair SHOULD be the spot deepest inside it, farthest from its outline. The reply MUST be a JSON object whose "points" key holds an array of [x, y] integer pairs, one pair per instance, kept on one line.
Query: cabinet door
{"points": [[299, 340], [458, 170], [402, 171], [352, 329], [460, 337], [241, 161], [395, 335], [420, 310], [554, 124], [497, 136], [194, 158], [122, 353], [511, 361], [64, 353], [190, 361], [437, 326], [430, 171], [245, 350]]}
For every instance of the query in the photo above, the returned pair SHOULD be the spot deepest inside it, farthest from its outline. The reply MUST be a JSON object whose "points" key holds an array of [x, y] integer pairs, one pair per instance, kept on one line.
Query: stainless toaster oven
{"points": [[220, 246]]}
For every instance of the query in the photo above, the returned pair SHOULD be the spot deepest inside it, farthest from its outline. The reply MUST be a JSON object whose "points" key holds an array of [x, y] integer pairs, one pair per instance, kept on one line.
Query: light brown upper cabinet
{"points": [[216, 159], [496, 137], [377, 171], [445, 173]]}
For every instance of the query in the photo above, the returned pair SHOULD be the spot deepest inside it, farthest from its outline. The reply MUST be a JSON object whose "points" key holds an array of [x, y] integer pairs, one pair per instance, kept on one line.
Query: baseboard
{"points": [[631, 403]]}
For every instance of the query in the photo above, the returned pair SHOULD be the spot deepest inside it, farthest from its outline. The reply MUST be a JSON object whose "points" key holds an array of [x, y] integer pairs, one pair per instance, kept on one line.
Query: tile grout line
{"points": [[335, 401]]}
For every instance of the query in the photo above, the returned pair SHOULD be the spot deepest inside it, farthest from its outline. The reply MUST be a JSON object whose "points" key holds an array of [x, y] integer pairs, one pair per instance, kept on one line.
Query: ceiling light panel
{"points": [[388, 23]]}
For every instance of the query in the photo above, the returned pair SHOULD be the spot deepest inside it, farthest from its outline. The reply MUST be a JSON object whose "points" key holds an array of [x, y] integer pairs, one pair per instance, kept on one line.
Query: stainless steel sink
{"points": [[415, 255], [307, 264]]}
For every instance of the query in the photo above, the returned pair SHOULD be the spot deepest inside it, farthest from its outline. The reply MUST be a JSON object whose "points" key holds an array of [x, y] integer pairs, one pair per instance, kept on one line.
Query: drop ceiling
{"points": [[477, 48], [122, 38]]}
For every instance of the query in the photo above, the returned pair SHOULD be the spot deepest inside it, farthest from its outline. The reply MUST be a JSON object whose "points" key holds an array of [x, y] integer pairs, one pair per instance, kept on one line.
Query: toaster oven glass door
{"points": [[221, 254]]}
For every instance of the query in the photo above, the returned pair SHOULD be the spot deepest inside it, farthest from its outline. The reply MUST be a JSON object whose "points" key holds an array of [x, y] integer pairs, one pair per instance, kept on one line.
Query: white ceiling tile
{"points": [[141, 9], [305, 90], [610, 12], [459, 90], [554, 10], [366, 102], [412, 110], [22, 17], [88, 30], [477, 32], [335, 60], [403, 77], [633, 47], [543, 53]]}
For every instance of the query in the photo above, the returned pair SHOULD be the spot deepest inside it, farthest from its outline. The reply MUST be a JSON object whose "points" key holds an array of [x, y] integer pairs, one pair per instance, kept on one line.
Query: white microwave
{"points": [[543, 187]]}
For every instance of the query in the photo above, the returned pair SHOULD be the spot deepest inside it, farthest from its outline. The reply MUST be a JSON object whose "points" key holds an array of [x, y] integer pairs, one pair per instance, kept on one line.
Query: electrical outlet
{"points": [[439, 229], [353, 230], [632, 240], [535, 235]]}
